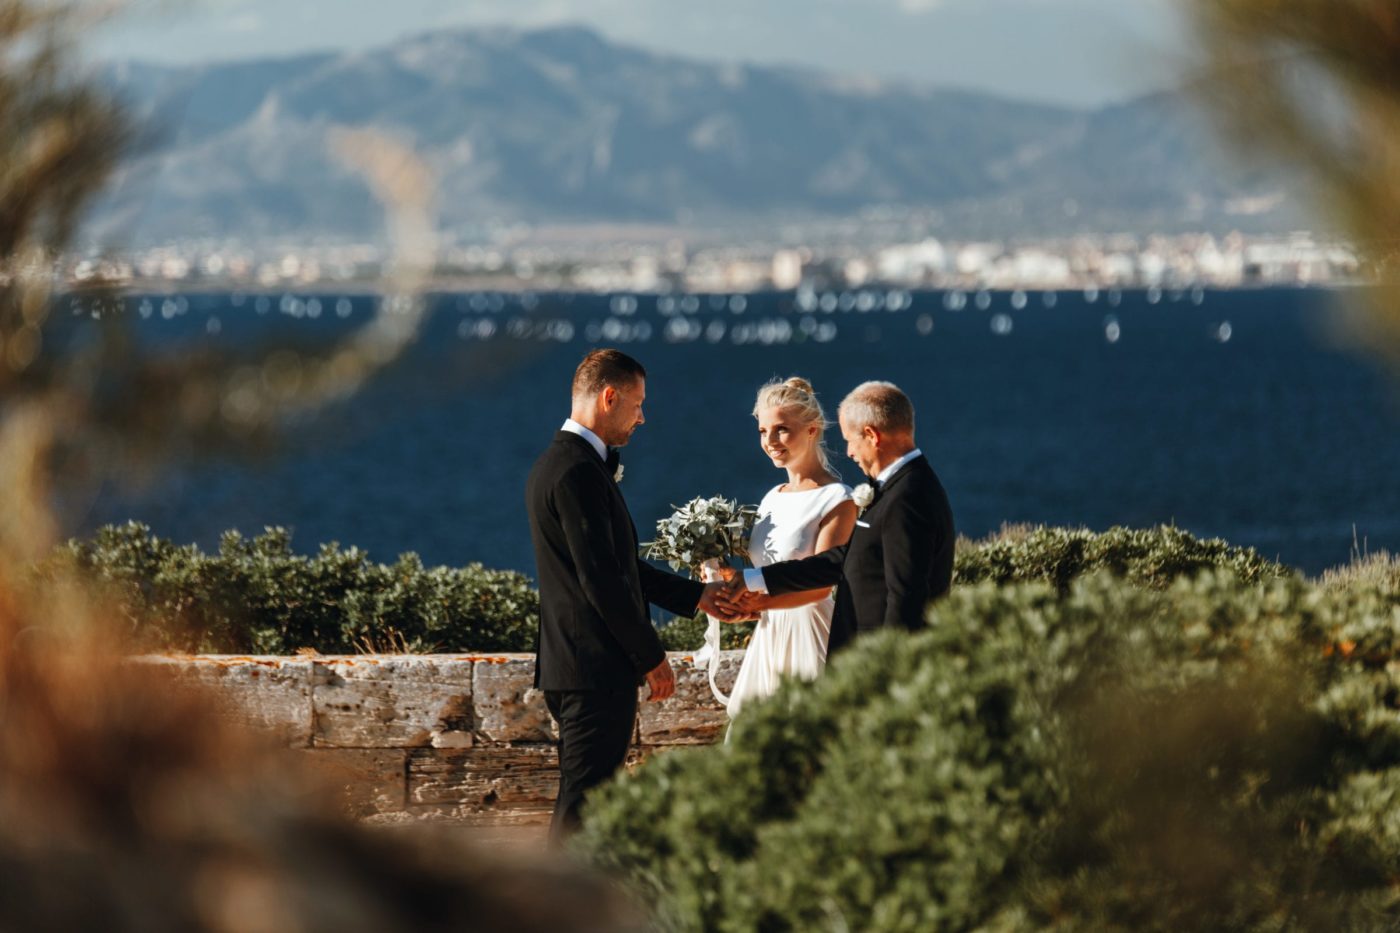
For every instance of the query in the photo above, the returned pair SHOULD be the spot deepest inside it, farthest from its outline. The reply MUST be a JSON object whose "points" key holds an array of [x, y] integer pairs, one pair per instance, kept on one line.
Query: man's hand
{"points": [[662, 682], [720, 601]]}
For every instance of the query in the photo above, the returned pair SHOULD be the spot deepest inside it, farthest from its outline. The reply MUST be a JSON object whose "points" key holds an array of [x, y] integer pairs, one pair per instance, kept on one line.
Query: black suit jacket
{"points": [[595, 629], [900, 557]]}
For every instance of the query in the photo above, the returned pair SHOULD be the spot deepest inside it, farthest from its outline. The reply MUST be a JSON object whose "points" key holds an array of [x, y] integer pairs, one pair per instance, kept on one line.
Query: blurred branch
{"points": [[118, 782], [83, 400], [1317, 84]]}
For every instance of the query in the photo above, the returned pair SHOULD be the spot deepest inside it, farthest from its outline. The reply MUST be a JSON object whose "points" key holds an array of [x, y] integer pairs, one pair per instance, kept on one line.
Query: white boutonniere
{"points": [[863, 495], [617, 476]]}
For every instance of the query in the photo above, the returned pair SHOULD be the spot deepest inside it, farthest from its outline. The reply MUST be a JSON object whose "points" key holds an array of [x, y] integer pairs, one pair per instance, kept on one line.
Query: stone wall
{"points": [[462, 737]]}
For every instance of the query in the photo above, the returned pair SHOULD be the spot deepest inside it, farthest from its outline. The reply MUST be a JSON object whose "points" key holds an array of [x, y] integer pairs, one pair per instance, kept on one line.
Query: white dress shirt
{"points": [[573, 427], [753, 576], [893, 468]]}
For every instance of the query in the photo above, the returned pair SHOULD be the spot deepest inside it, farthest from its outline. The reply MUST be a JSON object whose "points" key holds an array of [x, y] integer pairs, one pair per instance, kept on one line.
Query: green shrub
{"points": [[255, 595], [1153, 557], [1379, 571], [1212, 755]]}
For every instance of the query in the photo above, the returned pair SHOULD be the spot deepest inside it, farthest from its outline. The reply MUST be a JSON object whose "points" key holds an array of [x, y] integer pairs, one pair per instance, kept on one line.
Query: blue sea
{"points": [[1239, 414]]}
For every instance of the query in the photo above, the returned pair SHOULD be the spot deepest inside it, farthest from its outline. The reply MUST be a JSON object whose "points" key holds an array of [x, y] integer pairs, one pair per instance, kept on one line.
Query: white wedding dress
{"points": [[787, 642]]}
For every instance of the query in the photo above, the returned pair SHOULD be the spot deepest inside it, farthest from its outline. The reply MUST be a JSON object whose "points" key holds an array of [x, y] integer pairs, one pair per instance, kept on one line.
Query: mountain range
{"points": [[562, 126]]}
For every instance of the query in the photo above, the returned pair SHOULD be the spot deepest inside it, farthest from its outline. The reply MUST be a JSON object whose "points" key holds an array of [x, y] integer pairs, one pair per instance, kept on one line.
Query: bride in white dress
{"points": [[810, 512]]}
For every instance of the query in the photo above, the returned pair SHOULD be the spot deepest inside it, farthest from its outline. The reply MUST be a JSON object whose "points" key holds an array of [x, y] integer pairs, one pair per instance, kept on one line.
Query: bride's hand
{"points": [[752, 604], [718, 601]]}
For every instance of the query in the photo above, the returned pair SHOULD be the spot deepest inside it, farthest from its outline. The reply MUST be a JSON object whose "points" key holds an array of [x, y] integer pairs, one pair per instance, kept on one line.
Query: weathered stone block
{"points": [[508, 707], [525, 814], [521, 777], [463, 738], [392, 701], [526, 825], [692, 716], [370, 780], [268, 694]]}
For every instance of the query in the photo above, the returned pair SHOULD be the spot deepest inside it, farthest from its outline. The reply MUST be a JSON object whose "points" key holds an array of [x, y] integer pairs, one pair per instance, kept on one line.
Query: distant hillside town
{"points": [[673, 266]]}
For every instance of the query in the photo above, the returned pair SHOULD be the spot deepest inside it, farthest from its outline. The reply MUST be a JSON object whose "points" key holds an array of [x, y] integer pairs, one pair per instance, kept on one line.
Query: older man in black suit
{"points": [[597, 643], [900, 555]]}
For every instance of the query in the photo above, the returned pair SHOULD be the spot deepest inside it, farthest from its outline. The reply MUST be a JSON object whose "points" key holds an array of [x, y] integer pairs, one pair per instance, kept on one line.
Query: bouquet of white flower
{"points": [[703, 533], [700, 537]]}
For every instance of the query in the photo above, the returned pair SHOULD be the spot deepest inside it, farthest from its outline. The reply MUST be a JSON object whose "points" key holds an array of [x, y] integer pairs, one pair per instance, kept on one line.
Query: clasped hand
{"points": [[729, 601]]}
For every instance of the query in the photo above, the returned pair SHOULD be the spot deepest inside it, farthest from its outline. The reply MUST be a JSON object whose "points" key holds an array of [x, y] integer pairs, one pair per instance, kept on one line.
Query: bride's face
{"points": [[783, 439]]}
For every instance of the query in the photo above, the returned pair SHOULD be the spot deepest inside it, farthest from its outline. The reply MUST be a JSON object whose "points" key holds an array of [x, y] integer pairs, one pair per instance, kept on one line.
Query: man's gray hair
{"points": [[880, 405]]}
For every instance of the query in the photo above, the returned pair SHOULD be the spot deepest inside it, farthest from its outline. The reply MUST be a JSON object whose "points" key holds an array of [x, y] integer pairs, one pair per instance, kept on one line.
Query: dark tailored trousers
{"points": [[595, 731]]}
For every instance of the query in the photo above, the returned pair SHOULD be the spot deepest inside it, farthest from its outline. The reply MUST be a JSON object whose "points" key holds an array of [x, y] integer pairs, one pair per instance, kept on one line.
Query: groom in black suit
{"points": [[900, 555], [597, 643]]}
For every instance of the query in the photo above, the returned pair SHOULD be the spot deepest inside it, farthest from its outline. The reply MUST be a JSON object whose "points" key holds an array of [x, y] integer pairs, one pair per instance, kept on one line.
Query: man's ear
{"points": [[608, 398], [872, 434]]}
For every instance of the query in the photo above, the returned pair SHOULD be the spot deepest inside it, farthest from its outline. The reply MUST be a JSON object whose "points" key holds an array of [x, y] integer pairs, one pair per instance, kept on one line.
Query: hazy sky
{"points": [[1081, 52]]}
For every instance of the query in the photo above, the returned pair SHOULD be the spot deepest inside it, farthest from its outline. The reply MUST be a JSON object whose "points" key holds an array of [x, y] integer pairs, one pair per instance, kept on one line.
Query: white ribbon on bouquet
{"points": [[707, 658]]}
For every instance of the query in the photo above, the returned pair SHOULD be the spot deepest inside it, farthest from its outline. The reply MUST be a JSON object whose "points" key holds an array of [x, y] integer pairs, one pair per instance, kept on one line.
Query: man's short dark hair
{"points": [[602, 368]]}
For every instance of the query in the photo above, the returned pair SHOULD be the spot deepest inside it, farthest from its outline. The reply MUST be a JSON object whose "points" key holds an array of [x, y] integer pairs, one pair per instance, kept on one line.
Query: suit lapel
{"points": [[888, 489], [580, 447], [585, 450], [577, 443], [900, 474]]}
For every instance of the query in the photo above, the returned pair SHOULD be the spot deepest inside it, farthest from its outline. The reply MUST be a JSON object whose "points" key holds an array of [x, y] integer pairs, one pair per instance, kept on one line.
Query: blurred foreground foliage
{"points": [[1315, 84], [84, 399], [126, 801], [1142, 748], [1211, 753]]}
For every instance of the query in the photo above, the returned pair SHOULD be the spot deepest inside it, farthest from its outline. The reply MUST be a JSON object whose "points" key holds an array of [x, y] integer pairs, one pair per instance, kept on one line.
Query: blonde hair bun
{"points": [[800, 384]]}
